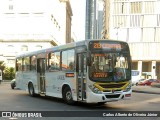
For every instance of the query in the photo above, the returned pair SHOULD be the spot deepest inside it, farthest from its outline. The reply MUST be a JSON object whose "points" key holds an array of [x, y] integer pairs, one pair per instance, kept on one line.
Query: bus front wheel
{"points": [[67, 96], [31, 90]]}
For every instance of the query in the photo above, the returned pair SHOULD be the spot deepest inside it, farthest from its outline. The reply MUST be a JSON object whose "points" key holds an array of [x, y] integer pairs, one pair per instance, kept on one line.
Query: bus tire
{"points": [[31, 90], [67, 96], [12, 86]]}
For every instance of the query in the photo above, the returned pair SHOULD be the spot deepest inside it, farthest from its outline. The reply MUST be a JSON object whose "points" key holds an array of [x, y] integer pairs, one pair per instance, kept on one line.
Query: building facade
{"points": [[138, 23], [28, 25]]}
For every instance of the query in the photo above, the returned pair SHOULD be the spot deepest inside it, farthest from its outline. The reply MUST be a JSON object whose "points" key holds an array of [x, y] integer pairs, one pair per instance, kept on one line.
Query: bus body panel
{"points": [[23, 78], [55, 81], [79, 80]]}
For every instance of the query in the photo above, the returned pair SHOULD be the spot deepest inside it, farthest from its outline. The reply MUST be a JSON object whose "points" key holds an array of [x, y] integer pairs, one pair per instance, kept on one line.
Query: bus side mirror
{"points": [[89, 58]]}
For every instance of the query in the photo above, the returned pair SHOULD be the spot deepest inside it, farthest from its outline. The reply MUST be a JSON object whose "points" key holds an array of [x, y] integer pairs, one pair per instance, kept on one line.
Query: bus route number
{"points": [[105, 45]]}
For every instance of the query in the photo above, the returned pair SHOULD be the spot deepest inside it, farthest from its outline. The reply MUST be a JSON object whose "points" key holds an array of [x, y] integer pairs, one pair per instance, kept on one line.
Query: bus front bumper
{"points": [[107, 97]]}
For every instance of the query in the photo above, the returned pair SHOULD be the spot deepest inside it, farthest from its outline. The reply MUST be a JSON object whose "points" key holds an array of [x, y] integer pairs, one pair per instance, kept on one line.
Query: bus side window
{"points": [[26, 63], [68, 60], [33, 63], [19, 64], [54, 61]]}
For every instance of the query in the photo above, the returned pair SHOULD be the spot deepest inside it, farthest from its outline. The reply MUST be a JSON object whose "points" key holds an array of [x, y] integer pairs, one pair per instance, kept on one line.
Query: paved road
{"points": [[146, 89], [18, 100]]}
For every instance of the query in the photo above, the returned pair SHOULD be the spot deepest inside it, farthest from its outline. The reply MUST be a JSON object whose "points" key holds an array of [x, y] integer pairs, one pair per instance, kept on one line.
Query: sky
{"points": [[78, 18]]}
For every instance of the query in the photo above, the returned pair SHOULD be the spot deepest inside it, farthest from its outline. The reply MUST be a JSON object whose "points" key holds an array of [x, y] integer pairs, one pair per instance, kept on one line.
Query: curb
{"points": [[148, 92], [5, 82], [146, 89]]}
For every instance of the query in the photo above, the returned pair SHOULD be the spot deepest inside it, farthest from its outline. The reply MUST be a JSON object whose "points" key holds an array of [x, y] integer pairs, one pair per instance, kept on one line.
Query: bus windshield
{"points": [[110, 67]]}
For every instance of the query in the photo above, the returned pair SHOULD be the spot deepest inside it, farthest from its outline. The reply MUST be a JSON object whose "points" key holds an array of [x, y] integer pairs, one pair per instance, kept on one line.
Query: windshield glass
{"points": [[110, 67]]}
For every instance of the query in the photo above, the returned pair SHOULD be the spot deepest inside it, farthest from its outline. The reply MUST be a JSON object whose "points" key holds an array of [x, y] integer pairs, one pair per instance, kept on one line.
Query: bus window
{"points": [[54, 61], [26, 63], [64, 60], [71, 62], [19, 64], [33, 63], [68, 60], [105, 65]]}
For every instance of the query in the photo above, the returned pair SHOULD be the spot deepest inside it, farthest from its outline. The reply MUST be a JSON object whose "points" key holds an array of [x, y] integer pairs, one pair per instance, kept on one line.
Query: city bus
{"points": [[0, 76], [90, 71]]}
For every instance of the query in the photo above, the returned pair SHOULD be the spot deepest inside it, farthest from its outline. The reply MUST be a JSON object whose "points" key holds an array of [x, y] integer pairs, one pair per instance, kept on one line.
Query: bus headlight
{"points": [[128, 88], [95, 89]]}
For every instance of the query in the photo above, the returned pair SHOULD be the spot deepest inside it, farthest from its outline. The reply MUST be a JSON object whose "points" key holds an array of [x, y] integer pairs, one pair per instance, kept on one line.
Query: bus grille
{"points": [[111, 90], [112, 96], [119, 85]]}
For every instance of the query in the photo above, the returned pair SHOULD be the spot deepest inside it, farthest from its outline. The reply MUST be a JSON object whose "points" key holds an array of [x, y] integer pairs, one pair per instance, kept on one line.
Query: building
{"points": [[28, 25], [100, 15], [138, 23], [94, 19]]}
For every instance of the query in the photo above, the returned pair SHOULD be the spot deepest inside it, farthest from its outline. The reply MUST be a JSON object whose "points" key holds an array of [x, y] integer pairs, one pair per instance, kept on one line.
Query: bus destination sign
{"points": [[107, 46], [99, 75]]}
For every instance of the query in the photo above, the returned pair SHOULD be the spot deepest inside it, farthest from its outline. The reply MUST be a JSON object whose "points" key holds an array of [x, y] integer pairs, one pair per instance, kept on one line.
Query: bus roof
{"points": [[66, 46]]}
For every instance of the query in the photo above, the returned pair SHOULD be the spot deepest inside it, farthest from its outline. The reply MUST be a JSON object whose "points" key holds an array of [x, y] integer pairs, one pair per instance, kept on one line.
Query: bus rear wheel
{"points": [[67, 96], [31, 90]]}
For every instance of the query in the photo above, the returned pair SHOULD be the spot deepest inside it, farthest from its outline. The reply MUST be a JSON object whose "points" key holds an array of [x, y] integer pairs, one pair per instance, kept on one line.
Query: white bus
{"points": [[0, 76], [76, 71]]}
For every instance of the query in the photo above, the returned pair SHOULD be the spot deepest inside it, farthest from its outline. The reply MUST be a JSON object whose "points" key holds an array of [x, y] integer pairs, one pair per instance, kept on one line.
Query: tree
{"points": [[2, 65], [9, 73], [12, 72]]}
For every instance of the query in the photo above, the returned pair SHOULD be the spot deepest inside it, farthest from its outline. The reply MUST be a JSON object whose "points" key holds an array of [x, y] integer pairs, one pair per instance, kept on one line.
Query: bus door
{"points": [[82, 70], [41, 75]]}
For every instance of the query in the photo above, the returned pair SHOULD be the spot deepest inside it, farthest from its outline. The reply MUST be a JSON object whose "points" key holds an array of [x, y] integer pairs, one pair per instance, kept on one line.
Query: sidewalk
{"points": [[146, 89]]}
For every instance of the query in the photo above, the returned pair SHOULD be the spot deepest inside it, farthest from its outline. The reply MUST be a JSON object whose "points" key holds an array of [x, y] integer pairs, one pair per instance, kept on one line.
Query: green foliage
{"points": [[9, 73], [2, 65]]}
